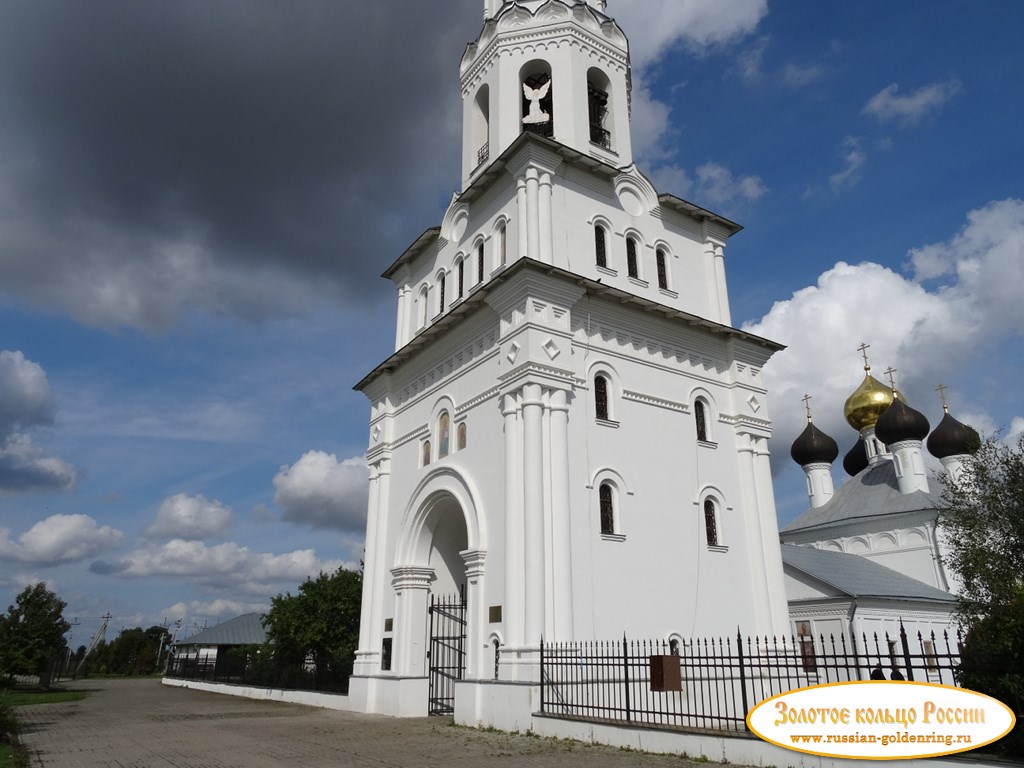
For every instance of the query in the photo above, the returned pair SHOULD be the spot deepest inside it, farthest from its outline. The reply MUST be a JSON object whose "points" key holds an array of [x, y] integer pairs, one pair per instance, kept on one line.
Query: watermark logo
{"points": [[876, 720]]}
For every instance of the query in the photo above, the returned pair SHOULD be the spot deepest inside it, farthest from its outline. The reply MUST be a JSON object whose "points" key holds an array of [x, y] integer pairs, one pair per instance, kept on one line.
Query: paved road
{"points": [[142, 724]]}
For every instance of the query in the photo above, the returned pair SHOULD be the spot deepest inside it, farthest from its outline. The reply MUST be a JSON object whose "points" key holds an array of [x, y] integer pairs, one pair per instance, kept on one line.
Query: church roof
{"points": [[874, 492], [246, 629], [857, 576]]}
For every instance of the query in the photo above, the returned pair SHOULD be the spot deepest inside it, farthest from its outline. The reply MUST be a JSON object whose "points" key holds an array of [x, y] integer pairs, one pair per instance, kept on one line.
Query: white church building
{"points": [[569, 441]]}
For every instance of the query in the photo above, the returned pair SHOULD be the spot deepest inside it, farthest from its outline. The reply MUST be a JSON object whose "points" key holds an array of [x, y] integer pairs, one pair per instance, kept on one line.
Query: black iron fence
{"points": [[711, 684], [258, 668]]}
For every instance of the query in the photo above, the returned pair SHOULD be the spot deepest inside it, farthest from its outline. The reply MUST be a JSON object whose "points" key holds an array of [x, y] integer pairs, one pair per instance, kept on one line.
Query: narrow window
{"points": [[385, 654], [631, 265], [601, 397], [673, 646], [710, 523], [502, 245], [426, 452], [462, 277], [607, 500], [443, 430], [480, 263], [424, 309], [441, 292], [662, 269], [460, 436], [600, 246], [701, 417]]}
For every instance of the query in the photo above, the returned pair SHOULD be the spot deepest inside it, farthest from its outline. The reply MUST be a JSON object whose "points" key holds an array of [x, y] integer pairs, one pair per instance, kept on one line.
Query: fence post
{"points": [[906, 651], [625, 666], [542, 673], [743, 676]]}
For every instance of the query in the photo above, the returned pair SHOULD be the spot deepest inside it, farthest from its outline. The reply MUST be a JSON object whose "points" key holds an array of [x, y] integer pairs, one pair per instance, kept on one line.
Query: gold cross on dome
{"points": [[941, 389], [807, 405], [892, 378], [863, 349]]}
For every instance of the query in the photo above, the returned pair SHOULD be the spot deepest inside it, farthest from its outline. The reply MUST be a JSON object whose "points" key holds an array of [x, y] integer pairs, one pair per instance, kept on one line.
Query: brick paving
{"points": [[143, 724]]}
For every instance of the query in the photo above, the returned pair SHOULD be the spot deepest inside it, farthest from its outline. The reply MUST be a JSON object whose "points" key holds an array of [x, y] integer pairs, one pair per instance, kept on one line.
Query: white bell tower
{"points": [[559, 70]]}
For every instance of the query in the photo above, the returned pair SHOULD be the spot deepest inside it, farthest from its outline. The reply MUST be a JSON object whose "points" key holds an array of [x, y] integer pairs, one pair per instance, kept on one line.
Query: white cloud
{"points": [[750, 62], [220, 609], [221, 566], [888, 105], [189, 517], [854, 157], [696, 24], [796, 76], [59, 539], [24, 468], [322, 492], [25, 398], [928, 334], [712, 184]]}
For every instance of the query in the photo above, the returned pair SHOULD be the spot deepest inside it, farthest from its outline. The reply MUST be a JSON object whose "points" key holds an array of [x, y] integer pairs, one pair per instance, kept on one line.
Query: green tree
{"points": [[32, 633], [321, 621], [982, 522]]}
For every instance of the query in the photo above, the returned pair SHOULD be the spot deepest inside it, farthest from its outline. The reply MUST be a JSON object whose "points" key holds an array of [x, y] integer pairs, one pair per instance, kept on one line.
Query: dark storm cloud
{"points": [[234, 156]]}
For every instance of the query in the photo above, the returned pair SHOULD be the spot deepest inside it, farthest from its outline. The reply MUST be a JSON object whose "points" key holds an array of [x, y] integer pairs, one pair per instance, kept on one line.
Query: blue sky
{"points": [[196, 201]]}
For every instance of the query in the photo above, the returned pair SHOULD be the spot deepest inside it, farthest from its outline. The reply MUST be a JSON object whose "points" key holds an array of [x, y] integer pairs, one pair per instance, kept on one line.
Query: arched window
{"points": [[426, 452], [601, 397], [537, 104], [600, 246], [700, 415], [460, 437], [711, 522], [481, 125], [607, 501], [444, 429], [441, 280], [460, 270], [501, 245], [662, 259], [424, 309], [632, 266], [598, 88], [480, 262]]}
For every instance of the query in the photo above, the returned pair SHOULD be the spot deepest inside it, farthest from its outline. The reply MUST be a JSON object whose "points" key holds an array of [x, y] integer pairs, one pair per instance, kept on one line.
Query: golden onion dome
{"points": [[868, 402]]}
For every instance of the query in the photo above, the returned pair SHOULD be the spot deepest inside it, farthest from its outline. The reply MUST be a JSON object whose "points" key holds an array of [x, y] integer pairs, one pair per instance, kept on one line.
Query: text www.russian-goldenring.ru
{"points": [[948, 739]]}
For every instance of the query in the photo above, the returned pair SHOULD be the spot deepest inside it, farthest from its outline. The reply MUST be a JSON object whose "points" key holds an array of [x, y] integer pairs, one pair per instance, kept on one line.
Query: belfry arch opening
{"points": [[599, 107], [481, 125], [537, 112]]}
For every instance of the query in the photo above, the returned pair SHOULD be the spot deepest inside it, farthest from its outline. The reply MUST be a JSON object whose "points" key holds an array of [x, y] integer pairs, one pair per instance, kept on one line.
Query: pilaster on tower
{"points": [[557, 68]]}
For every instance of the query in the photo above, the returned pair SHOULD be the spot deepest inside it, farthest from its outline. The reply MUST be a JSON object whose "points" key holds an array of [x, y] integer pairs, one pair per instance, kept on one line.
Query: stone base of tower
{"points": [[394, 696], [505, 705]]}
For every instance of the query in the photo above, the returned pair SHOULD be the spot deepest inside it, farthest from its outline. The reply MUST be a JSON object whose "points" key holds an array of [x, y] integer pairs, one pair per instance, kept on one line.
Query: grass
{"points": [[27, 697]]}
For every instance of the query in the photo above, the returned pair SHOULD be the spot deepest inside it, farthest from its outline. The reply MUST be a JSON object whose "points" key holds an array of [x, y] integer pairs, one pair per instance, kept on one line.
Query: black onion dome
{"points": [[814, 447], [856, 461], [952, 438], [901, 422]]}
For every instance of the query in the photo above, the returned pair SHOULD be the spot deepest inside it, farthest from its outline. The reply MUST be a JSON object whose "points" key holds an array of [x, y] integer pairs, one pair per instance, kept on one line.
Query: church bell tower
{"points": [[569, 441]]}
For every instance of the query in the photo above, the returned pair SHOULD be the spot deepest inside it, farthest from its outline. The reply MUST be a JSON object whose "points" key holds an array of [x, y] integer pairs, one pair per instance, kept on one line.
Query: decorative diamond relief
{"points": [[513, 351], [551, 348], [376, 433], [754, 403]]}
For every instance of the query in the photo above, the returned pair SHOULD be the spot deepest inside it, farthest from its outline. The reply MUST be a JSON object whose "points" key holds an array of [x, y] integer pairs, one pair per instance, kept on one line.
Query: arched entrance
{"points": [[439, 586]]}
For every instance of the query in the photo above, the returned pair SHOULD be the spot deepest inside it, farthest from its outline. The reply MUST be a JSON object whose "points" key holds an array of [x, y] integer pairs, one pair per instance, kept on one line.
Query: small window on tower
{"points": [[426, 452], [600, 246], [597, 101], [441, 280], [461, 274], [460, 437], [607, 502], [700, 416], [662, 259], [632, 267], [480, 263], [710, 522], [502, 244], [601, 397]]}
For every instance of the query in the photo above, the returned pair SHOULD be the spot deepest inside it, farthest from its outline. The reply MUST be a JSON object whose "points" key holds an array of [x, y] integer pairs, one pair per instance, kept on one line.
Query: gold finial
{"points": [[941, 389], [863, 349], [892, 379], [807, 405]]}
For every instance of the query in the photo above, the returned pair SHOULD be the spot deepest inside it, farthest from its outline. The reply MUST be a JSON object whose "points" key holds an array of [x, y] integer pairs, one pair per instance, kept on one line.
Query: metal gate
{"points": [[446, 656]]}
